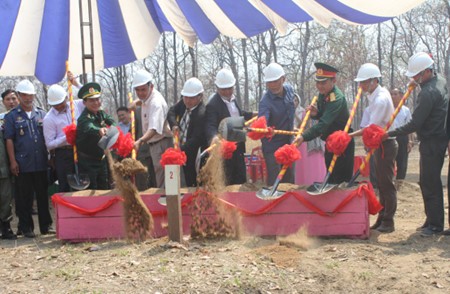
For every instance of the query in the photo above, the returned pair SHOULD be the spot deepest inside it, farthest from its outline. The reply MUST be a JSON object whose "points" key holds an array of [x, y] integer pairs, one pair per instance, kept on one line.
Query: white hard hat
{"points": [[225, 79], [142, 77], [273, 72], [417, 63], [26, 87], [368, 71], [56, 95], [192, 87]]}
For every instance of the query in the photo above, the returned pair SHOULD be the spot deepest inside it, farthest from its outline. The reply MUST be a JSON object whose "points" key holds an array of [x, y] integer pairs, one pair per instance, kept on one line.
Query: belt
{"points": [[66, 147], [91, 157], [159, 141]]}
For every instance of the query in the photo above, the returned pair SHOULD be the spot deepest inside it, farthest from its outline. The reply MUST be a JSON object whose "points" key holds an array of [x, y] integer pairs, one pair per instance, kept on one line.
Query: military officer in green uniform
{"points": [[332, 115], [92, 125]]}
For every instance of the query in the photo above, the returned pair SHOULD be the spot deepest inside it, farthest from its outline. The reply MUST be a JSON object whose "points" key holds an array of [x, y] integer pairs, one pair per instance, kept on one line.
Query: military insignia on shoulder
{"points": [[332, 97]]}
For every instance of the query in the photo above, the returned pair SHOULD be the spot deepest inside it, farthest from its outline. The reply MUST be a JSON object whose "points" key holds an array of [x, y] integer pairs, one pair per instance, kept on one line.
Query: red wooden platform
{"points": [[340, 213]]}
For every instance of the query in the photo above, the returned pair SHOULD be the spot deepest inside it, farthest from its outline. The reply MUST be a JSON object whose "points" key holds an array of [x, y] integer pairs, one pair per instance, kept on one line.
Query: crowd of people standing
{"points": [[31, 138]]}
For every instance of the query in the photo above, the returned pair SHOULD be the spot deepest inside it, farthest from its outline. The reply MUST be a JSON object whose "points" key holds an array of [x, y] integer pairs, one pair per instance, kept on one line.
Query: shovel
{"points": [[272, 193], [231, 129], [317, 188], [386, 128], [76, 181]]}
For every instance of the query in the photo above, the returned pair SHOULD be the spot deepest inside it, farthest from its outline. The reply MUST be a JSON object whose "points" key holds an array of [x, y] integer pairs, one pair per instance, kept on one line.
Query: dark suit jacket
{"points": [[216, 110], [195, 137]]}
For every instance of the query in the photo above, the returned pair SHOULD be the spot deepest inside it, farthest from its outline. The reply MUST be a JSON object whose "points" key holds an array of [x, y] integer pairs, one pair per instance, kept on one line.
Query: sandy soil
{"points": [[400, 262]]}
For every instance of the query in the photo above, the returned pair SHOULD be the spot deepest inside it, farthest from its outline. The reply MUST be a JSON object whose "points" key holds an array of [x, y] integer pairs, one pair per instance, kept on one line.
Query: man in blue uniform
{"points": [[28, 160]]}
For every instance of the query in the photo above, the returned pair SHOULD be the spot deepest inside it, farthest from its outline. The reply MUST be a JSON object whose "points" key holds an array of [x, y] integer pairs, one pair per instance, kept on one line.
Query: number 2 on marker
{"points": [[171, 175]]}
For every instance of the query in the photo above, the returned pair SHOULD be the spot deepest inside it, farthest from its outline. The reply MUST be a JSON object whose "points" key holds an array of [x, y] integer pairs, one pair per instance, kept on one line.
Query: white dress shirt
{"points": [[154, 116], [231, 105], [403, 117], [55, 121], [380, 107]]}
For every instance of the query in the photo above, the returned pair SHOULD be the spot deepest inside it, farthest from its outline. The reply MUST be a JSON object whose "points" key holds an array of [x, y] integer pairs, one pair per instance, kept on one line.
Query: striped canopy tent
{"points": [[38, 36]]}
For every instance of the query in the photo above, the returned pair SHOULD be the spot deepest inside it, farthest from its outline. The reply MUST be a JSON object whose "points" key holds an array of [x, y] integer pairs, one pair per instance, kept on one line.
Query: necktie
{"points": [[184, 125]]}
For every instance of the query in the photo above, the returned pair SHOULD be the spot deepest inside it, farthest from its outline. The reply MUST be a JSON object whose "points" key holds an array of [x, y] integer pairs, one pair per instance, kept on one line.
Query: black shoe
{"points": [[376, 225], [29, 234], [8, 235], [446, 232], [429, 231], [19, 233], [385, 229], [48, 231], [425, 225]]}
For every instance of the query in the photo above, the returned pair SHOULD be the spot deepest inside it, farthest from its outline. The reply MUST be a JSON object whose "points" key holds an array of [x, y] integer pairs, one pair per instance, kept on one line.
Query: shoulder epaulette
{"points": [[332, 97]]}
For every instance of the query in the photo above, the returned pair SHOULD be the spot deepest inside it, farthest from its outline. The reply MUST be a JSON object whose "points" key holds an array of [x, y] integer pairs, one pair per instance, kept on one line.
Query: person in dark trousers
{"points": [[57, 118], [379, 113], [223, 104], [28, 160], [429, 122], [92, 125], [187, 117], [405, 142], [277, 106], [332, 115]]}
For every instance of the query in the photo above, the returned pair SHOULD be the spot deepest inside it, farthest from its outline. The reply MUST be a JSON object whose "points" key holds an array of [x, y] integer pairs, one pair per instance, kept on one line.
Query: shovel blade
{"points": [[78, 181], [318, 188], [267, 194], [232, 129]]}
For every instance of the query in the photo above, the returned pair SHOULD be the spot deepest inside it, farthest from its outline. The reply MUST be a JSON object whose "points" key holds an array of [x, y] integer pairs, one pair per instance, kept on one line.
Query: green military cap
{"points": [[90, 90], [324, 71]]}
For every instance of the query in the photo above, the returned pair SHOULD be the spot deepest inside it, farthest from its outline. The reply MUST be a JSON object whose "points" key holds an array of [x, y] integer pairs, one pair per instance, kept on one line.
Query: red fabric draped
{"points": [[374, 205], [57, 199]]}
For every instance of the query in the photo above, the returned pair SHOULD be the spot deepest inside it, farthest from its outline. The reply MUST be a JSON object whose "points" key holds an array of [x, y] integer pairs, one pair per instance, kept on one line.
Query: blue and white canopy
{"points": [[38, 36]]}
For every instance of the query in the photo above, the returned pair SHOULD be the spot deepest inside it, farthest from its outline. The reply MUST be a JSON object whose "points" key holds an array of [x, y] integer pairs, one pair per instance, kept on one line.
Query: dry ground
{"points": [[401, 262]]}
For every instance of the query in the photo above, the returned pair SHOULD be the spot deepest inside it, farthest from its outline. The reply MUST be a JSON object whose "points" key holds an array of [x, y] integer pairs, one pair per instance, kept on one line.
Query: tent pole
{"points": [[89, 55]]}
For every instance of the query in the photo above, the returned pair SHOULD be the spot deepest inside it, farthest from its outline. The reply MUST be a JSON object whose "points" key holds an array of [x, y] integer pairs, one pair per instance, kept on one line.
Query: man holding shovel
{"points": [[92, 125], [155, 128], [429, 122], [57, 118], [277, 105], [332, 115], [379, 112], [224, 104], [187, 118]]}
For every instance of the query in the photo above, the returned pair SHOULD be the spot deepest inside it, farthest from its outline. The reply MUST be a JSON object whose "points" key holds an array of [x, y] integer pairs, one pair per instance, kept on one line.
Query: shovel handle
{"points": [[133, 125], [298, 134], [346, 128], [411, 88], [72, 111], [267, 130], [305, 120], [251, 120]]}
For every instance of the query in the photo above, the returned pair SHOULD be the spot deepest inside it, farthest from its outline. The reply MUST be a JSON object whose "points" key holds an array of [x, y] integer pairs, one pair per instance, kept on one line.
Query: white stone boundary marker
{"points": [[172, 183]]}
